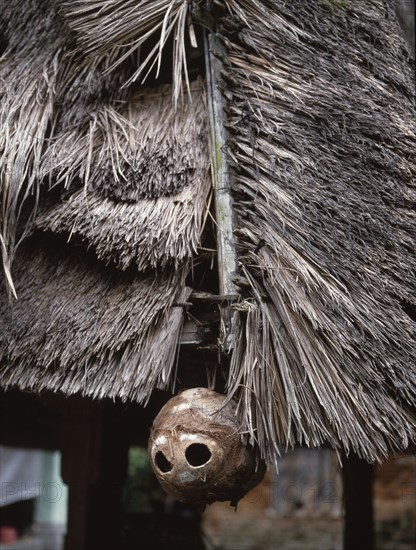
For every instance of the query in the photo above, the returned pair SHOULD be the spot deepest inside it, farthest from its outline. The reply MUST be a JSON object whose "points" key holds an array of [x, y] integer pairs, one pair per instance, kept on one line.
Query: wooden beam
{"points": [[191, 334], [224, 212], [227, 256]]}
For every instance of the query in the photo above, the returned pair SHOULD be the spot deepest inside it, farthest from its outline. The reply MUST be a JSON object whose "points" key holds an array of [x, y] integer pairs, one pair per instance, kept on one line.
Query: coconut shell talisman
{"points": [[196, 452]]}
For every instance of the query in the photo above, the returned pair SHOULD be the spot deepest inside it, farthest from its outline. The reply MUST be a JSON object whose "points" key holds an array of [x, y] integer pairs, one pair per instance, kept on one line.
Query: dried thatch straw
{"points": [[28, 77], [147, 179], [122, 27], [51, 86], [150, 232], [322, 137], [134, 172], [82, 327], [37, 76]]}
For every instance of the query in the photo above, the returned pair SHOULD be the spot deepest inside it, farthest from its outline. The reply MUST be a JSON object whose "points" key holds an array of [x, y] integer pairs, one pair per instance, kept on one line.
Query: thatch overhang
{"points": [[115, 186], [146, 164], [318, 99], [81, 327], [320, 105]]}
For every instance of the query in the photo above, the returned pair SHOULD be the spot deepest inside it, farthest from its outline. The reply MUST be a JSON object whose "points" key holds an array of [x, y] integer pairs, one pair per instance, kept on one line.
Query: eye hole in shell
{"points": [[163, 463], [197, 454]]}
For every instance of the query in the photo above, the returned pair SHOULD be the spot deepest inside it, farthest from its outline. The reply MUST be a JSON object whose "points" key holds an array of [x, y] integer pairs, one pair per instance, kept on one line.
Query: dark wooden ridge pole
{"points": [[224, 213]]}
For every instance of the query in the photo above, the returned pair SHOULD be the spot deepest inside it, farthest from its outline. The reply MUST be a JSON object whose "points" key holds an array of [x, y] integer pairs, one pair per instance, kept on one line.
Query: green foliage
{"points": [[138, 460], [142, 493]]}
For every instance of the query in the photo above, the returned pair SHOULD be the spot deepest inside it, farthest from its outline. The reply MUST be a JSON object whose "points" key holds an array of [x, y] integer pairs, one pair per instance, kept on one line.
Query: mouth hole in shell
{"points": [[197, 454], [163, 463]]}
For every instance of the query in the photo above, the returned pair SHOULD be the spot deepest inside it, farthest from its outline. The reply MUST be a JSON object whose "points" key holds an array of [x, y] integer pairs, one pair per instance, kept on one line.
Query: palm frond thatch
{"points": [[146, 173], [141, 148], [134, 172], [85, 328], [150, 232], [121, 27], [28, 77], [48, 87], [323, 144]]}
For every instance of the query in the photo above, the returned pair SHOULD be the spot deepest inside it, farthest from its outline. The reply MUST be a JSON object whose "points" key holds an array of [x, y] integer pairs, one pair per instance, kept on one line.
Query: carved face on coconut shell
{"points": [[196, 453]]}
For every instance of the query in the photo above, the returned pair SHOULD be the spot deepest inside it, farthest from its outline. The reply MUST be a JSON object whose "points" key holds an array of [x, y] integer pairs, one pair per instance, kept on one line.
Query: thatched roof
{"points": [[318, 99], [84, 327], [108, 189], [322, 133], [148, 179]]}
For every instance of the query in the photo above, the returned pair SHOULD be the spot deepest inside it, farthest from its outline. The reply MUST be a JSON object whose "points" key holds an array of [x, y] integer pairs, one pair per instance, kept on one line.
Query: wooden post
{"points": [[224, 214], [94, 464], [358, 476], [77, 457]]}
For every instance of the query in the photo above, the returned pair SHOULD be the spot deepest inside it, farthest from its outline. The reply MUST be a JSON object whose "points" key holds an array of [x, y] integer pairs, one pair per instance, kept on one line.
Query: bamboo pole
{"points": [[224, 214]]}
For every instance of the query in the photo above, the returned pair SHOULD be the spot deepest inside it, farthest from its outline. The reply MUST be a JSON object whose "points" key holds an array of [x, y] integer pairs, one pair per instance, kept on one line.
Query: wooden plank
{"points": [[191, 334]]}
